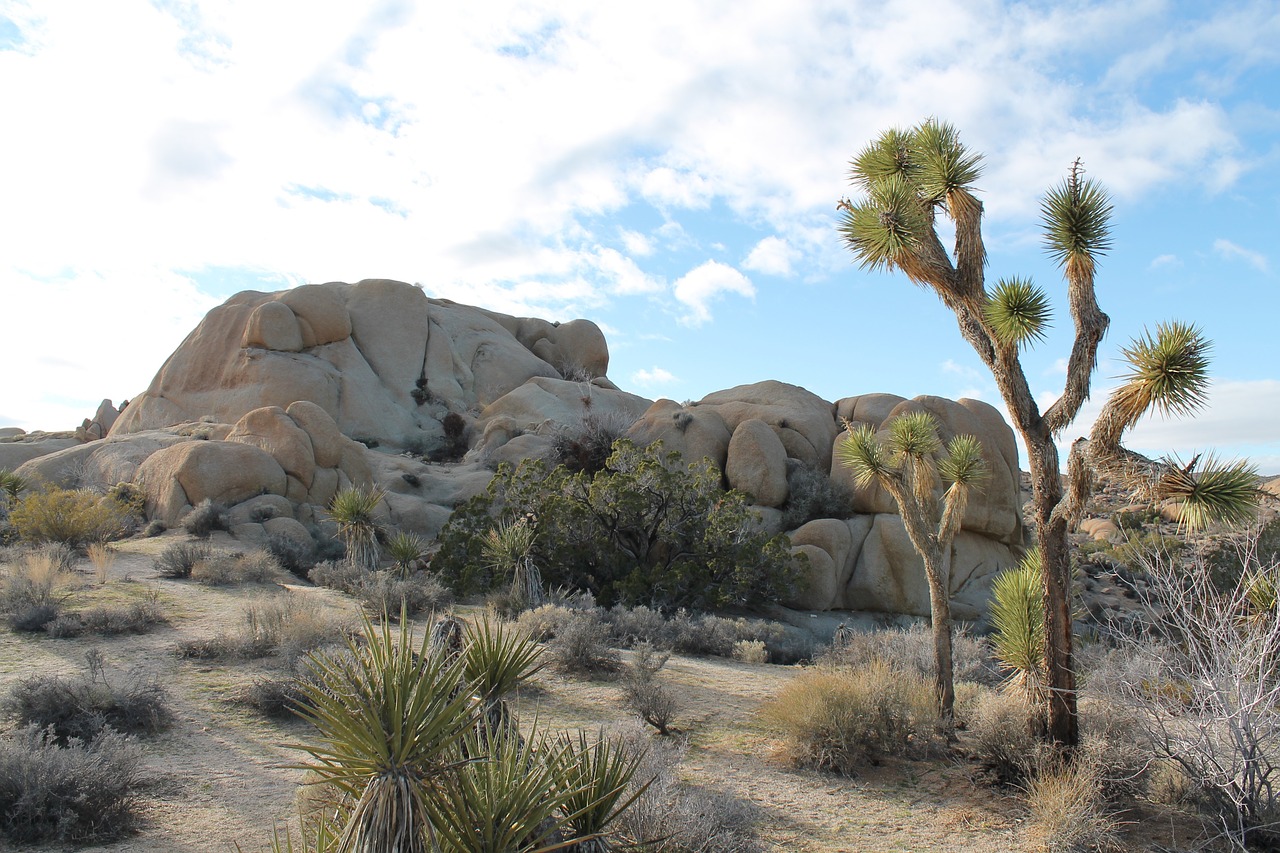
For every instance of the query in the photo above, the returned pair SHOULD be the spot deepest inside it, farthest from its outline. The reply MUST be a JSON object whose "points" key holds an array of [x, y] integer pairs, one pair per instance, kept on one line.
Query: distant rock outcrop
{"points": [[275, 401]]}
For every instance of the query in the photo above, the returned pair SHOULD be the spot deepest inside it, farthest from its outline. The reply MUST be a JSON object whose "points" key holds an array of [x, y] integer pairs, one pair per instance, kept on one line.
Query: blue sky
{"points": [[669, 170]]}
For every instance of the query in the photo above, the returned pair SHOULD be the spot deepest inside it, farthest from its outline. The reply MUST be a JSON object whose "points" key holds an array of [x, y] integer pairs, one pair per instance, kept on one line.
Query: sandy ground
{"points": [[217, 777]]}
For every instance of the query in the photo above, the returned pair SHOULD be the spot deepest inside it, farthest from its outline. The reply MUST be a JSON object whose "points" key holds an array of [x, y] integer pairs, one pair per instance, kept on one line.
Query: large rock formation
{"points": [[277, 400]]}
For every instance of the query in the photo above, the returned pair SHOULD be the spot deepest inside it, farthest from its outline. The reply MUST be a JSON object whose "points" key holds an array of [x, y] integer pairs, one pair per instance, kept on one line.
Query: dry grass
{"points": [[1068, 810], [838, 719], [102, 557]]}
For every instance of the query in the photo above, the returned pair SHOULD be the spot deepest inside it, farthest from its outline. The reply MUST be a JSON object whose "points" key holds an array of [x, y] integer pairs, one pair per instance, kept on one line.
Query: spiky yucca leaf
{"points": [[504, 802], [498, 658], [11, 484], [944, 166], [1076, 217], [1261, 591], [352, 510], [1017, 617], [1017, 312], [914, 435], [863, 454], [1223, 493], [389, 724], [595, 778], [887, 157], [963, 463], [405, 549], [1169, 371], [886, 227]]}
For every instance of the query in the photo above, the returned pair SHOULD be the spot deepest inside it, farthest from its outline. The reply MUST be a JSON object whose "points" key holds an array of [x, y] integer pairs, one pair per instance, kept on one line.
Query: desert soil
{"points": [[218, 777]]}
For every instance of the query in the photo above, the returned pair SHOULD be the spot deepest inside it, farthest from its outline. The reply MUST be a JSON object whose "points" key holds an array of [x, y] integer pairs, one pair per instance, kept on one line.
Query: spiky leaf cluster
{"points": [[1017, 312], [1017, 617], [1076, 218], [963, 464], [863, 454], [944, 168], [1217, 493], [1169, 371]]}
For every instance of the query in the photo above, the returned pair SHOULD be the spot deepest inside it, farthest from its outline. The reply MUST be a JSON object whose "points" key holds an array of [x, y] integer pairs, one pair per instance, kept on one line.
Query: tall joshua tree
{"points": [[904, 465], [906, 179]]}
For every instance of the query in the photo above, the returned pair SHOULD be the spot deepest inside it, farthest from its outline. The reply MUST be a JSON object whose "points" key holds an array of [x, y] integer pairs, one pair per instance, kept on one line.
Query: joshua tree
{"points": [[904, 466], [906, 179]]}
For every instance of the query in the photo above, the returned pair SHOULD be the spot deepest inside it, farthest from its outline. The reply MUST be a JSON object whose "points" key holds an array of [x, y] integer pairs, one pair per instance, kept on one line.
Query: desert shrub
{"points": [[580, 646], [384, 592], [813, 494], [109, 620], [224, 569], [545, 622], [750, 651], [31, 618], [131, 498], [154, 528], [178, 560], [837, 718], [205, 517], [1226, 560], [586, 447], [73, 517], [1002, 735], [454, 446], [644, 693], [287, 626], [81, 707], [294, 556], [1210, 702], [912, 647], [709, 634], [670, 816], [631, 626], [281, 697], [1140, 549], [339, 575], [647, 528], [74, 792]]}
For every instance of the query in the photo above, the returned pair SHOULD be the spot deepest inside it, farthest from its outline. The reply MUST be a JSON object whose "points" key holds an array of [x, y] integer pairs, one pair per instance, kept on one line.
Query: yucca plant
{"points": [[496, 660], [11, 485], [910, 464], [390, 729], [508, 800], [405, 549], [352, 510], [594, 779], [1017, 619], [508, 547]]}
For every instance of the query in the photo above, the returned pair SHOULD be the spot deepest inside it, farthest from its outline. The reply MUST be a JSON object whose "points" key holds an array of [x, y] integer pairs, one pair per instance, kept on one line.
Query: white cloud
{"points": [[665, 187], [1164, 261], [653, 378], [637, 243], [701, 286], [1231, 252], [772, 256]]}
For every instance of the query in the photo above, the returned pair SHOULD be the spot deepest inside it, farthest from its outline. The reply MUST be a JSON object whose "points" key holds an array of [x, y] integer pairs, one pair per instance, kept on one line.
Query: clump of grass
{"points": [[33, 590], [1068, 811], [912, 648], [178, 560], [837, 719], [287, 627], [73, 792], [103, 558], [80, 708], [384, 592]]}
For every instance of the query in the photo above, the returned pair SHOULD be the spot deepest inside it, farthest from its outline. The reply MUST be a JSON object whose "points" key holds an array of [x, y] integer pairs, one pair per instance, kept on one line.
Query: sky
{"points": [[669, 170]]}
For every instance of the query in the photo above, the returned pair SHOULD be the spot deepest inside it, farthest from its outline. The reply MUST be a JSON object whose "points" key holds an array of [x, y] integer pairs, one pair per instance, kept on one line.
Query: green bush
{"points": [[647, 528], [75, 518]]}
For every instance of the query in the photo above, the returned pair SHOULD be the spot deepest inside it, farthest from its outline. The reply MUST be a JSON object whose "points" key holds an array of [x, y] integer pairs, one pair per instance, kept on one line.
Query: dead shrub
{"points": [[69, 793], [81, 707], [178, 560], [222, 568], [1002, 735], [912, 648], [287, 626], [645, 694], [580, 647], [33, 589]]}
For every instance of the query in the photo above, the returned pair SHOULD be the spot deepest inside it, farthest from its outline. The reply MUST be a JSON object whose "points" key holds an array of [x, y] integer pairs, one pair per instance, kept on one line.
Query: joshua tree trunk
{"points": [[940, 619]]}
